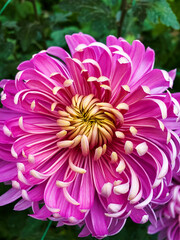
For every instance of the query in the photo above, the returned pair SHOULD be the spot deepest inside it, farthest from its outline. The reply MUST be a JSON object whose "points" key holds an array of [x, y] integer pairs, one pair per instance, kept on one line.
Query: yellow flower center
{"points": [[88, 121]]}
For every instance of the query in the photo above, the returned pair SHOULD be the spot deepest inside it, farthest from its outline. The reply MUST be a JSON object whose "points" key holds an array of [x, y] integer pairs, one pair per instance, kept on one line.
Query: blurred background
{"points": [[29, 26]]}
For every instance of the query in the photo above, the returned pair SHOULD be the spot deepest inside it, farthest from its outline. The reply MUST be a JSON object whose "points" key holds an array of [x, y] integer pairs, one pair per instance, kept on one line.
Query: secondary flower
{"points": [[89, 139], [168, 224]]}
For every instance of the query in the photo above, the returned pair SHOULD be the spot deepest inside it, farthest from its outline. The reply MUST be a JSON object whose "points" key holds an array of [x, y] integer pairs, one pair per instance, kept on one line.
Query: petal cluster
{"points": [[89, 138], [168, 224]]}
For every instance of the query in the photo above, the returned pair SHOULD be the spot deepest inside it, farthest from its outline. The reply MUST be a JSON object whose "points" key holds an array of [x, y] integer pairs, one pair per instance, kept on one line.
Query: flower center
{"points": [[89, 122]]}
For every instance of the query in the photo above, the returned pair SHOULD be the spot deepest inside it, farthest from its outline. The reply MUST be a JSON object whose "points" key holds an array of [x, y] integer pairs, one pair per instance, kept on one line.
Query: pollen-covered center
{"points": [[88, 122]]}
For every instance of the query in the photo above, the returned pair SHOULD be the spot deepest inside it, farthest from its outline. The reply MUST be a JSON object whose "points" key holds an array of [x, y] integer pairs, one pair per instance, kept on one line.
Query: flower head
{"points": [[168, 216], [91, 137]]}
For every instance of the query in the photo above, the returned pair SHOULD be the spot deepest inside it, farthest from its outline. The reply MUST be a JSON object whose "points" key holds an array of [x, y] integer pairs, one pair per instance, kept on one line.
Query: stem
{"points": [[47, 228], [123, 10], [4, 7], [35, 9]]}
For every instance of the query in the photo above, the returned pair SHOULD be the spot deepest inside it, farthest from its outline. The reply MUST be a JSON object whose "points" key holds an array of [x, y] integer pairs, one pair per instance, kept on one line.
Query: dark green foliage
{"points": [[160, 11], [26, 28]]}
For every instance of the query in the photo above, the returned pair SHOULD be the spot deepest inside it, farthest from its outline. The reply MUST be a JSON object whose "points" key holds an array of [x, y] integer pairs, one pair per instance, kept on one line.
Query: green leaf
{"points": [[58, 36], [6, 49], [160, 11], [97, 14], [60, 17], [27, 34]]}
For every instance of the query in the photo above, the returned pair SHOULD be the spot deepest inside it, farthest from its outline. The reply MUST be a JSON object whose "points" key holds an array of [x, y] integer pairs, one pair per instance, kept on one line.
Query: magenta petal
{"points": [[95, 220], [22, 205], [84, 232], [58, 52], [11, 168], [42, 214], [74, 40], [139, 216], [10, 196]]}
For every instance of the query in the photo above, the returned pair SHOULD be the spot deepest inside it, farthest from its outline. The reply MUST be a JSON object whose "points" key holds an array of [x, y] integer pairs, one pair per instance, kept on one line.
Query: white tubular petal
{"points": [[103, 79], [16, 98], [68, 82], [161, 125], [53, 106], [75, 168], [69, 198], [165, 165], [54, 74], [133, 131], [72, 219], [119, 134], [142, 148], [53, 210], [115, 215], [13, 153], [123, 106], [104, 104], [157, 182], [62, 184], [31, 158], [121, 166], [36, 174], [123, 60], [80, 47], [83, 210], [63, 123], [22, 178], [114, 157], [128, 147], [117, 182], [91, 79], [63, 113], [104, 149], [161, 188], [61, 134], [118, 115], [65, 143], [146, 89], [6, 131], [121, 189], [98, 153], [3, 96], [23, 153], [87, 100], [136, 198], [144, 203], [107, 189], [15, 184], [56, 89], [126, 88], [56, 215], [20, 167], [25, 196], [106, 87], [76, 141], [162, 107], [144, 219], [168, 137], [135, 186], [33, 104], [21, 123], [84, 145], [113, 207]]}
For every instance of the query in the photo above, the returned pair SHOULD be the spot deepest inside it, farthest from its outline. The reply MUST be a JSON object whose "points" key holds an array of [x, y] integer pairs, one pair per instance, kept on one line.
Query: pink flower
{"points": [[168, 216], [91, 137]]}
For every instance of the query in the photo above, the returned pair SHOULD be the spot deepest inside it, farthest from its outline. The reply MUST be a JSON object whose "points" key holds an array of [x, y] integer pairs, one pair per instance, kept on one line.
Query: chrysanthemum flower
{"points": [[89, 139], [168, 224]]}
